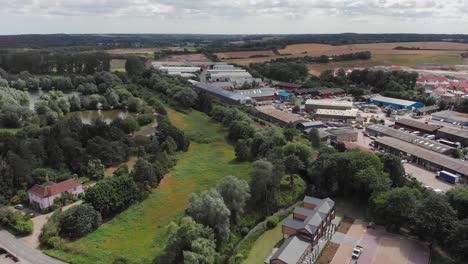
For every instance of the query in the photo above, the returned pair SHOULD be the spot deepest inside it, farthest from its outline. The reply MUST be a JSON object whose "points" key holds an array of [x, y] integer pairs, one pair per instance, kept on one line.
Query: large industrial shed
{"points": [[454, 134], [451, 117], [416, 126], [429, 159], [383, 131], [395, 103]]}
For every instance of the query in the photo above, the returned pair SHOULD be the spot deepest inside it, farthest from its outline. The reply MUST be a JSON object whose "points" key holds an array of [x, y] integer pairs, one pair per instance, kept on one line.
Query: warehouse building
{"points": [[217, 90], [259, 94], [343, 134], [426, 158], [454, 134], [327, 104], [427, 110], [384, 131], [308, 125], [395, 103], [177, 69], [282, 118], [414, 125], [346, 116], [451, 117]]}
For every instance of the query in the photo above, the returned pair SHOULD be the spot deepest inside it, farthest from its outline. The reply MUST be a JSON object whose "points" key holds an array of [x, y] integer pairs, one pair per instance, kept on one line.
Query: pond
{"points": [[35, 95], [108, 116]]}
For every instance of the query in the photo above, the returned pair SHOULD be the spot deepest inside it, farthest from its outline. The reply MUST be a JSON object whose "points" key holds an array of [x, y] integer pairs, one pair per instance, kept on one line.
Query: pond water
{"points": [[35, 95], [108, 116]]}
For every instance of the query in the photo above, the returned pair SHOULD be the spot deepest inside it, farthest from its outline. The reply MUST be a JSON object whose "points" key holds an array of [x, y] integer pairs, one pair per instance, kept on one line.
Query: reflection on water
{"points": [[35, 95], [87, 117]]}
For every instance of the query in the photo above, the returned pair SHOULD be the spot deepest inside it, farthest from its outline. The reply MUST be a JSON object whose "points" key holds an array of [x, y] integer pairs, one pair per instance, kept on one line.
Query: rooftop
{"points": [[333, 112], [393, 100], [455, 131], [50, 189], [292, 249], [342, 131], [413, 139], [434, 157], [451, 115], [427, 108], [280, 115], [417, 125], [259, 92], [329, 103]]}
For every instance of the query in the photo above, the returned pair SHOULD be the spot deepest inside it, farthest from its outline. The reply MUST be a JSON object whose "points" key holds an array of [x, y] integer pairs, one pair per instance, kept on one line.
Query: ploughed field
{"points": [[428, 52], [139, 233]]}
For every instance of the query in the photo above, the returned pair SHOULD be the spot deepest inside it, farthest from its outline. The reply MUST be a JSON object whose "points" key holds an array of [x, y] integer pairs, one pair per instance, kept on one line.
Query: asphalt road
{"points": [[21, 250]]}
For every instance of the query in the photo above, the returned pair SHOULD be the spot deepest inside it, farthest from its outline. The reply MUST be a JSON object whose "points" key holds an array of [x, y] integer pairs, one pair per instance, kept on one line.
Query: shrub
{"points": [[79, 221], [272, 222], [17, 222], [144, 119]]}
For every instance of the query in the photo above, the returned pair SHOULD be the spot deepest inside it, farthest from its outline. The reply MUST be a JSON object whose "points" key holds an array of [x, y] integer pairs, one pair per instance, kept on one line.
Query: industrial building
{"points": [[277, 116], [427, 110], [309, 125], [216, 90], [346, 116], [454, 134], [395, 103], [343, 134], [426, 158], [328, 104], [414, 125], [177, 69], [384, 131], [451, 117], [259, 94]]}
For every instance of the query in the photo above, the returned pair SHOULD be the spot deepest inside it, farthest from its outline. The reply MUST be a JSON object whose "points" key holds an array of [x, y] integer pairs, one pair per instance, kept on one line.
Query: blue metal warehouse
{"points": [[395, 103]]}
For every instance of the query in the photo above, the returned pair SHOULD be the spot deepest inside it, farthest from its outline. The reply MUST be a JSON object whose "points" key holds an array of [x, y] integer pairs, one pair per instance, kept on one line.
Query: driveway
{"points": [[39, 222], [427, 177], [24, 252]]}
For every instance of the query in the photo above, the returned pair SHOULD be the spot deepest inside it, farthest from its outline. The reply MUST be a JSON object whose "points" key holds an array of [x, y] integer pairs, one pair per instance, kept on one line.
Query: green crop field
{"points": [[409, 60], [118, 65], [139, 234]]}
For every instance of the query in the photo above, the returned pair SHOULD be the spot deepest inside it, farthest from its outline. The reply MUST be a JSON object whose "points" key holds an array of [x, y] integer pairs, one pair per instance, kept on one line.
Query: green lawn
{"points": [[10, 130], [138, 234], [263, 246]]}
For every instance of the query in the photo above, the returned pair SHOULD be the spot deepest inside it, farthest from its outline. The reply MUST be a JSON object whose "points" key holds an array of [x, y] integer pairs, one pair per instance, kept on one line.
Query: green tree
{"points": [[181, 242], [433, 218], [79, 221], [458, 198], [235, 193], [134, 65], [314, 138], [240, 130], [242, 150], [394, 207], [203, 252], [95, 169], [264, 184], [145, 174], [457, 242], [394, 167], [208, 208]]}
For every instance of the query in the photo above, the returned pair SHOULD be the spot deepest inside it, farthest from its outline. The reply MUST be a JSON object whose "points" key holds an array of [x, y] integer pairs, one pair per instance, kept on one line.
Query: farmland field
{"points": [[439, 50], [244, 54], [139, 233], [142, 51]]}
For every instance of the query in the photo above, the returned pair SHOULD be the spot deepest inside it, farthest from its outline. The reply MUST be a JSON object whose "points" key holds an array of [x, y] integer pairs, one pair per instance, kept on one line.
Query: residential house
{"points": [[43, 196]]}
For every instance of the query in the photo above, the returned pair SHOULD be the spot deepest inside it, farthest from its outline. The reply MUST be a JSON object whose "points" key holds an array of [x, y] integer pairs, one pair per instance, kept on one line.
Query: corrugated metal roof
{"points": [[434, 157], [417, 125], [413, 139], [455, 131], [390, 100]]}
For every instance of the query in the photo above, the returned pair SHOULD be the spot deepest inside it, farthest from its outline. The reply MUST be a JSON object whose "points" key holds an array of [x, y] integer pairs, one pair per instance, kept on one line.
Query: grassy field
{"points": [[139, 233], [10, 130], [130, 163], [263, 246], [409, 60], [118, 65]]}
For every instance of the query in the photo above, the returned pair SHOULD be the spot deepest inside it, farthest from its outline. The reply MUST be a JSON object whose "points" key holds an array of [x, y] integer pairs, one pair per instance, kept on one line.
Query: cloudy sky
{"points": [[233, 16]]}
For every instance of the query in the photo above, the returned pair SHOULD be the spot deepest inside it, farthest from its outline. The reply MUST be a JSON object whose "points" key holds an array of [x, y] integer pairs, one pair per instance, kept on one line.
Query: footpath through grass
{"points": [[139, 233]]}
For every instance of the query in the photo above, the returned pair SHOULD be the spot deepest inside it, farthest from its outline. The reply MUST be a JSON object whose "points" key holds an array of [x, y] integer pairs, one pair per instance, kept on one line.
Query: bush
{"points": [[144, 119], [272, 222], [79, 221], [17, 222]]}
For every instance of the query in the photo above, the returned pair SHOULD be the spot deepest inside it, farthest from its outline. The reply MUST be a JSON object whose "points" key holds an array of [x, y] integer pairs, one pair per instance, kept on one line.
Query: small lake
{"points": [[108, 116]]}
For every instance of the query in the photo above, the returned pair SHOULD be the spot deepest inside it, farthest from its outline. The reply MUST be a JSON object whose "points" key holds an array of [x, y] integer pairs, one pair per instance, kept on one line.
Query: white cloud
{"points": [[279, 13]]}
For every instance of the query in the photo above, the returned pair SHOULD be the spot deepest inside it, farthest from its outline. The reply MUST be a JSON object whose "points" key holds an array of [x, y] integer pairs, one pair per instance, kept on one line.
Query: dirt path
{"points": [[39, 222]]}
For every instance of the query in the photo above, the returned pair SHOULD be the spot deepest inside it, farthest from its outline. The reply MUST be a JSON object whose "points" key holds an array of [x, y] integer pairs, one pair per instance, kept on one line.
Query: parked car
{"points": [[19, 206], [365, 134], [357, 251]]}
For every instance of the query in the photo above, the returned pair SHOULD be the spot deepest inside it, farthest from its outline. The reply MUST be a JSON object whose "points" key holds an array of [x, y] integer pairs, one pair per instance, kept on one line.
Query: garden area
{"points": [[138, 234]]}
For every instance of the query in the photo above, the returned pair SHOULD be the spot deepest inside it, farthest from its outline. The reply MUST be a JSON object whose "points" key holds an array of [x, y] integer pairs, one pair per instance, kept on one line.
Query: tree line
{"points": [[48, 62]]}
